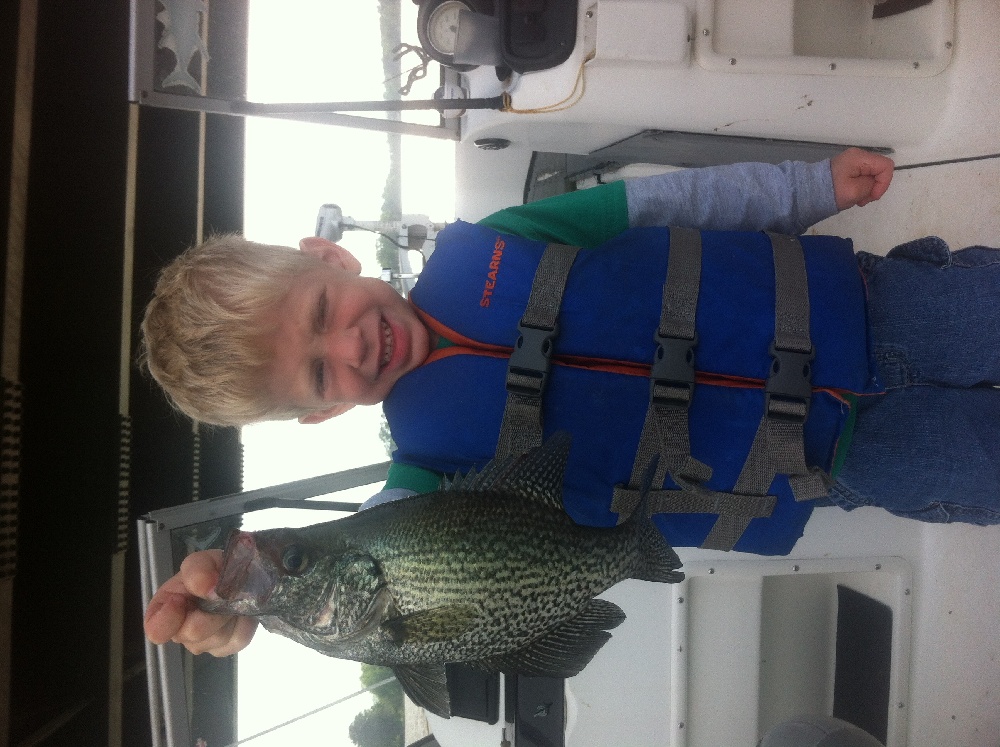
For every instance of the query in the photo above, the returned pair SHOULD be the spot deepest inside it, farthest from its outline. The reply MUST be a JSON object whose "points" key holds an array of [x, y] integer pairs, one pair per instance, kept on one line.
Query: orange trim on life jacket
{"points": [[463, 345]]}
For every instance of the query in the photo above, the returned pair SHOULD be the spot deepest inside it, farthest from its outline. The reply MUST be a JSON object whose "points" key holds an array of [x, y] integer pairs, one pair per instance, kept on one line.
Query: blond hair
{"points": [[204, 331]]}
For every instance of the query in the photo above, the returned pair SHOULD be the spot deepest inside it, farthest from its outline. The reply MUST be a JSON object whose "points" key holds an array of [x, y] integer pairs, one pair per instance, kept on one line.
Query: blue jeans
{"points": [[929, 448]]}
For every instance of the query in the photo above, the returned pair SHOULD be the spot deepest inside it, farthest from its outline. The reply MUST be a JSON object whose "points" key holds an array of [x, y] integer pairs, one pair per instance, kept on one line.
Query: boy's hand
{"points": [[859, 177], [173, 614]]}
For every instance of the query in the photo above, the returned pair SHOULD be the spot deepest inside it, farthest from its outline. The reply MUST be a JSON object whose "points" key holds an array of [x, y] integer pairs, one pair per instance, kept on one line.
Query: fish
{"points": [[489, 571], [182, 36]]}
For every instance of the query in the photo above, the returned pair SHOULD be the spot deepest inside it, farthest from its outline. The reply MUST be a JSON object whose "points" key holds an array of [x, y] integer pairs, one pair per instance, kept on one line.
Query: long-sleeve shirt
{"points": [[786, 198]]}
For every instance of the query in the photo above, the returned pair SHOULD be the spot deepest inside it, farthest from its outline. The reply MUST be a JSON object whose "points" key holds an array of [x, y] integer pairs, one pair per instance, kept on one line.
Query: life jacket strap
{"points": [[665, 430], [779, 445], [695, 498], [528, 369]]}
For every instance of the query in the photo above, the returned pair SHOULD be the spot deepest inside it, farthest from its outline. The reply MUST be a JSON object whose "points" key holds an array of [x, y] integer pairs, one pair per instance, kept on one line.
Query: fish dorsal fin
{"points": [[426, 685], [565, 651], [434, 625], [536, 474], [459, 481]]}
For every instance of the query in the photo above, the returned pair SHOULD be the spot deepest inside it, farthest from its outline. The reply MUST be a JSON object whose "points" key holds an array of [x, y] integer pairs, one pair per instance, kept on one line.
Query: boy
{"points": [[304, 336]]}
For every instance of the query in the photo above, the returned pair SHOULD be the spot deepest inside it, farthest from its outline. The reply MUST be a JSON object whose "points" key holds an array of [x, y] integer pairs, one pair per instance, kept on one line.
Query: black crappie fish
{"points": [[490, 571]]}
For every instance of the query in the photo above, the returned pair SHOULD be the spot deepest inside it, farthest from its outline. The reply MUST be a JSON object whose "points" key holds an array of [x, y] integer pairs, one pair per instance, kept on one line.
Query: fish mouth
{"points": [[324, 620], [246, 579]]}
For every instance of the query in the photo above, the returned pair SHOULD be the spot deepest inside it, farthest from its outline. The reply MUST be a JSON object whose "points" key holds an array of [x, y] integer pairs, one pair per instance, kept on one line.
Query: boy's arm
{"points": [[403, 481], [786, 198], [587, 217], [860, 177]]}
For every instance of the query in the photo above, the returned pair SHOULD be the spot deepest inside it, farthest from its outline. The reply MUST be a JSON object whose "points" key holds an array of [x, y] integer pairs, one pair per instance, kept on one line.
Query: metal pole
{"points": [[254, 108]]}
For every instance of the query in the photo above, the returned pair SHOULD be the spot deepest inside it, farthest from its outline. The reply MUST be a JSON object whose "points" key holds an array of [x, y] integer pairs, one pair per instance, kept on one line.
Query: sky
{"points": [[318, 50]]}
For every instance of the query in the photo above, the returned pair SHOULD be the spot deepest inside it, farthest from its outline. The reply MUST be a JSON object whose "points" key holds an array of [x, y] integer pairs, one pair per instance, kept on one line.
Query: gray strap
{"points": [[694, 498], [683, 284], [778, 446], [548, 285], [665, 430], [528, 369], [791, 306]]}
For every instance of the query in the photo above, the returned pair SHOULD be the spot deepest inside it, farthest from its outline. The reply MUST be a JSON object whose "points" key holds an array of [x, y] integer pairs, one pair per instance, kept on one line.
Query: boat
{"points": [[542, 97]]}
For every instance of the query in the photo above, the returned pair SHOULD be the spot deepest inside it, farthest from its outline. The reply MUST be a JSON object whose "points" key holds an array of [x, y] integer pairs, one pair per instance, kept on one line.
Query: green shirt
{"points": [[586, 218]]}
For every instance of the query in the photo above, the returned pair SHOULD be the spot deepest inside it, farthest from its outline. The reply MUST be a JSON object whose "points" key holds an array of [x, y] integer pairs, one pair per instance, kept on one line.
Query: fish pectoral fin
{"points": [[434, 625], [427, 686], [566, 650]]}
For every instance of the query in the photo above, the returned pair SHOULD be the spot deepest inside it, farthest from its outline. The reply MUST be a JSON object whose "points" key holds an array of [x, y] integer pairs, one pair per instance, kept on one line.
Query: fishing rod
{"points": [[946, 162], [282, 725]]}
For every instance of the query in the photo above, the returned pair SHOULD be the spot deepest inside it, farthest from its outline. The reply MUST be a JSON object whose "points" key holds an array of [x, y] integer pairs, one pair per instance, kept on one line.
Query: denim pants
{"points": [[929, 448]]}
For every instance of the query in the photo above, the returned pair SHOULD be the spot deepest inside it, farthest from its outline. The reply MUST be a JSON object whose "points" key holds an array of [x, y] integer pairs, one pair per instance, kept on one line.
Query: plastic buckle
{"points": [[789, 383], [672, 373], [530, 357]]}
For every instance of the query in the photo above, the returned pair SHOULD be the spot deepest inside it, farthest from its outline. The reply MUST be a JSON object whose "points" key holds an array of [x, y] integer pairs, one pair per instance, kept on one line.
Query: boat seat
{"points": [[817, 731]]}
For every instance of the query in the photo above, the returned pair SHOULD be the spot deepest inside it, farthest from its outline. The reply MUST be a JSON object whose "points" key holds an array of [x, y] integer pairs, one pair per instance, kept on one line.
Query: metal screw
{"points": [[878, 566], [706, 32], [680, 600], [947, 45], [916, 65], [833, 65], [590, 14], [906, 592], [711, 571], [732, 60], [795, 568]]}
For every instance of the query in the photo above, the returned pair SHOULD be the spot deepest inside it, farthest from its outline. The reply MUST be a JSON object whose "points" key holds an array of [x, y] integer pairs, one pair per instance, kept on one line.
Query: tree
{"points": [[382, 724], [377, 727], [385, 435]]}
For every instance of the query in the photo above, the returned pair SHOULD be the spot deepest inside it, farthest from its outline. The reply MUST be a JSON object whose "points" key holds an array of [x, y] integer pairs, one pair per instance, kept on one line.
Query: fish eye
{"points": [[294, 559]]}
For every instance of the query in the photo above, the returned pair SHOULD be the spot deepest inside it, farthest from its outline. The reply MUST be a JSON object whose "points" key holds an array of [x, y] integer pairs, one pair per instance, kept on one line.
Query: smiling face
{"points": [[339, 339]]}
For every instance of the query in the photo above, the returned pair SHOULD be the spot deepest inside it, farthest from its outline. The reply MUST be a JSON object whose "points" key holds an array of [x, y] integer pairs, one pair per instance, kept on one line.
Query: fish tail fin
{"points": [[656, 560], [179, 77]]}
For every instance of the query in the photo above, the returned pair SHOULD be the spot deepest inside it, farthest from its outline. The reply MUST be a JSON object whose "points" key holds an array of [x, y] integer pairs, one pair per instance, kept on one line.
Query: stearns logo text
{"points": [[491, 276]]}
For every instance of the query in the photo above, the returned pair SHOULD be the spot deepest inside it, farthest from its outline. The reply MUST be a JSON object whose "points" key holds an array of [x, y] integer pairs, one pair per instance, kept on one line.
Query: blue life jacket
{"points": [[446, 414]]}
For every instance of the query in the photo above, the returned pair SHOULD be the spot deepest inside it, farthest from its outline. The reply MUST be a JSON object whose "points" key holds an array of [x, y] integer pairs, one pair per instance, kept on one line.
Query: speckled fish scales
{"points": [[490, 570]]}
